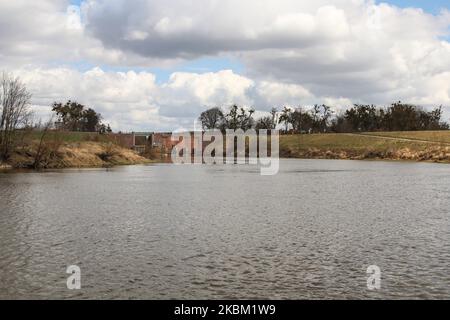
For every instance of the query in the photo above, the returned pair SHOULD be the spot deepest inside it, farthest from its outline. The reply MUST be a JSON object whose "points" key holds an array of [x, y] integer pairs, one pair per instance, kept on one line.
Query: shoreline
{"points": [[80, 155], [428, 147], [9, 169], [369, 156]]}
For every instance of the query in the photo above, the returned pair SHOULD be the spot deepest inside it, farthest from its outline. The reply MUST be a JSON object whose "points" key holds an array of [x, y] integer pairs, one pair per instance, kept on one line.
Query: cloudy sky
{"points": [[156, 64]]}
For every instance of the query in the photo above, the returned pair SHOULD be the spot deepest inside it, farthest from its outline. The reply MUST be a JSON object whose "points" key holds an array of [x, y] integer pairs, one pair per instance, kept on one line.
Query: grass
{"points": [[344, 142], [69, 137], [432, 136], [420, 146], [61, 149]]}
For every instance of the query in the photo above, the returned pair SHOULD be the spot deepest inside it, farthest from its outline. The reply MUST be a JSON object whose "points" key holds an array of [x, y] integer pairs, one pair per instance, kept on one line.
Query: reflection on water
{"points": [[199, 232]]}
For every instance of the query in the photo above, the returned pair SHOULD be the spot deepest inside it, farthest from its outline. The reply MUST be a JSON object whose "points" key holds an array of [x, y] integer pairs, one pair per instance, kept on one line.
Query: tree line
{"points": [[321, 119], [16, 116], [236, 118]]}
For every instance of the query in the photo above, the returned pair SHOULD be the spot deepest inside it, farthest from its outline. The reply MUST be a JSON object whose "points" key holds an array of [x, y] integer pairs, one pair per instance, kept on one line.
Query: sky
{"points": [[150, 65], [433, 6]]}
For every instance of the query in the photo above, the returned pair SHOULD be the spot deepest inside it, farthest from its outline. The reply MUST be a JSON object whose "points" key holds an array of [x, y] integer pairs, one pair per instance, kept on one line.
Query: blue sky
{"points": [[432, 6]]}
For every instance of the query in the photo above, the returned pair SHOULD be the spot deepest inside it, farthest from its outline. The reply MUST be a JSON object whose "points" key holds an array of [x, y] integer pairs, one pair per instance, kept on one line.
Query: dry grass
{"points": [[69, 137], [375, 146], [432, 136], [94, 154], [78, 155], [61, 149]]}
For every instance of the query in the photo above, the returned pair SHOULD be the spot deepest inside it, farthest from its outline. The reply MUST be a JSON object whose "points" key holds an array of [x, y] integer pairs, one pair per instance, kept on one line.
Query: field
{"points": [[421, 146], [432, 136]]}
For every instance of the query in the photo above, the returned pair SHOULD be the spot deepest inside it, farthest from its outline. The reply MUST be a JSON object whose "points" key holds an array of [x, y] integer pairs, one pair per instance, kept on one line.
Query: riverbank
{"points": [[431, 146], [76, 150], [86, 154]]}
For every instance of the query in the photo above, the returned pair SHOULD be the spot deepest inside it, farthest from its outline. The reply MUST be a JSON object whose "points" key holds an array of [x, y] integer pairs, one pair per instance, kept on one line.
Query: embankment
{"points": [[426, 146], [71, 150], [73, 155]]}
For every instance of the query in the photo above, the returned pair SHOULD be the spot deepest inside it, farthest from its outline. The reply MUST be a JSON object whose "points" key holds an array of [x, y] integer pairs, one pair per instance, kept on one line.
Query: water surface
{"points": [[225, 232]]}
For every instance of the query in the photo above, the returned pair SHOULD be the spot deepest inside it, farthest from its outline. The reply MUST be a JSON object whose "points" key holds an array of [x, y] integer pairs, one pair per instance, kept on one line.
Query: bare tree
{"points": [[212, 118], [286, 118], [239, 118], [14, 111], [268, 122], [42, 147]]}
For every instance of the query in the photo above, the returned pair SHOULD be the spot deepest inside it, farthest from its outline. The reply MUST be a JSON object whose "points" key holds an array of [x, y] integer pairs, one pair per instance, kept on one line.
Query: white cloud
{"points": [[126, 100], [277, 94], [131, 101], [134, 101], [293, 52], [223, 87], [52, 31]]}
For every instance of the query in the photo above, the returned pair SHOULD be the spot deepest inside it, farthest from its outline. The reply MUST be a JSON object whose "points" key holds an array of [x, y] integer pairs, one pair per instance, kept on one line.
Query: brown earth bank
{"points": [[434, 154], [72, 150], [73, 155]]}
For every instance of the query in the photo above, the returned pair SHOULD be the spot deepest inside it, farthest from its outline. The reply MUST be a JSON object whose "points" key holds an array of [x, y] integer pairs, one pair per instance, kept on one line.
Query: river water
{"points": [[226, 232]]}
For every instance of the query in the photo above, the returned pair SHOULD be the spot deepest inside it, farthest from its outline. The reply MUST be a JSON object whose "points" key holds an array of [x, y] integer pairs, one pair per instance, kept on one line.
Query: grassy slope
{"points": [[370, 146], [74, 149], [86, 149], [70, 137], [434, 136]]}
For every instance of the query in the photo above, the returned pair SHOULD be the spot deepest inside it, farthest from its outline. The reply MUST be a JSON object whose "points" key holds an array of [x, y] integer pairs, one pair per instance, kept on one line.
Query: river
{"points": [[226, 232]]}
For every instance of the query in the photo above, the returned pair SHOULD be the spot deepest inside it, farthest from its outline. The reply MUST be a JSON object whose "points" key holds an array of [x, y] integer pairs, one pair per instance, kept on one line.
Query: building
{"points": [[143, 141]]}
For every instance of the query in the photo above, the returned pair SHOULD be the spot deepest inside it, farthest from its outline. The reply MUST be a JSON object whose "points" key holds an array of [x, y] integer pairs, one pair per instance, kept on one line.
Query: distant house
{"points": [[163, 140], [125, 140], [142, 141]]}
